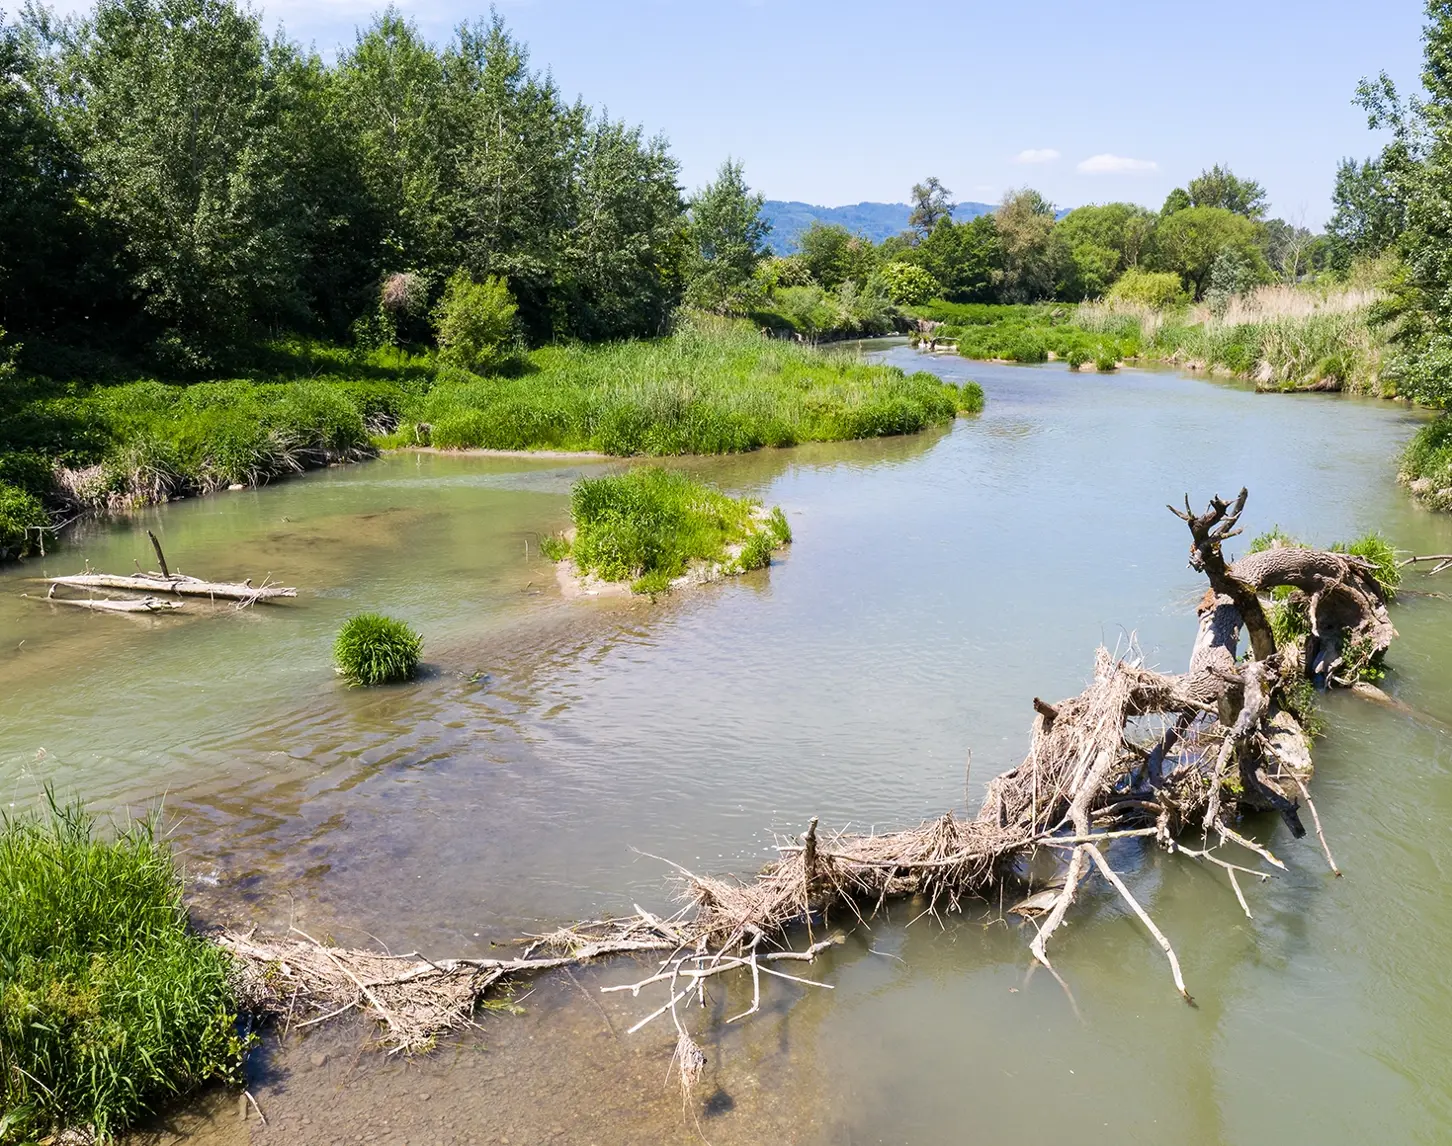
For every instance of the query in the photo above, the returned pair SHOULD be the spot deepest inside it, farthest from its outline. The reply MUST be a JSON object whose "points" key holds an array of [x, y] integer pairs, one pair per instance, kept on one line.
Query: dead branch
{"points": [[177, 584], [1138, 754]]}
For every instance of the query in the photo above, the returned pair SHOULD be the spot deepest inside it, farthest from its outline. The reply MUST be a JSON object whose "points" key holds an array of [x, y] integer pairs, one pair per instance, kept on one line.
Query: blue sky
{"points": [[837, 101]]}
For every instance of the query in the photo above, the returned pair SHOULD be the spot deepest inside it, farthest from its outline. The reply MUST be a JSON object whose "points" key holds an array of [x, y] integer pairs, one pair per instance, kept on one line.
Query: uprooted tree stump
{"points": [[1137, 754]]}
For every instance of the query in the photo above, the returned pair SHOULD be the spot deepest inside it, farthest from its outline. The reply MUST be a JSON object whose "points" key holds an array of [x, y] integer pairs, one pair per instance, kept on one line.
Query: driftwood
{"points": [[113, 605], [179, 585], [1443, 560], [1139, 755]]}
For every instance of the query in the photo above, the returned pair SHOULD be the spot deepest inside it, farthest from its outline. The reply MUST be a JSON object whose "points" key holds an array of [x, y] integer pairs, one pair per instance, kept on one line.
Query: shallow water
{"points": [[936, 584]]}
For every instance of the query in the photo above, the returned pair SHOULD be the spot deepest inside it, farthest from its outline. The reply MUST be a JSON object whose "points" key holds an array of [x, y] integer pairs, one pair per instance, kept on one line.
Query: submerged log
{"points": [[1138, 754], [177, 584], [112, 605]]}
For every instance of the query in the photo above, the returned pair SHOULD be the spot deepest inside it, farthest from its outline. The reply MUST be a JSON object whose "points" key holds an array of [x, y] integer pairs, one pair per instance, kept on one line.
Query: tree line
{"points": [[173, 178], [1211, 236]]}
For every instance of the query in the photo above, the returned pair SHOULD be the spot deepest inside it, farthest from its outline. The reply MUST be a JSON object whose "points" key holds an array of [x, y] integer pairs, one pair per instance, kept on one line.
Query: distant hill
{"points": [[875, 221]]}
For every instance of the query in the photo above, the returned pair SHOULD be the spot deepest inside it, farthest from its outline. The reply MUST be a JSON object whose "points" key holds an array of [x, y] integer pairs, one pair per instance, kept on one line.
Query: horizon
{"points": [[1098, 122]]}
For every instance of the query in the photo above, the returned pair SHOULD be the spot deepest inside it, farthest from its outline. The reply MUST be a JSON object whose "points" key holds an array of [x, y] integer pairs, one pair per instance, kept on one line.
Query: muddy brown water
{"points": [[936, 584]]}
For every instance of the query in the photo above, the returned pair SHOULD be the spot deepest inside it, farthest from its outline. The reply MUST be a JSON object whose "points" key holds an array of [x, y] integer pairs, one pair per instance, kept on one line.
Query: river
{"points": [[936, 584]]}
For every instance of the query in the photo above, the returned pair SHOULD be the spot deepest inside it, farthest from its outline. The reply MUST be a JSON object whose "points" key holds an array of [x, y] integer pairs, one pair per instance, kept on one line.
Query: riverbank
{"points": [[1280, 338], [74, 449]]}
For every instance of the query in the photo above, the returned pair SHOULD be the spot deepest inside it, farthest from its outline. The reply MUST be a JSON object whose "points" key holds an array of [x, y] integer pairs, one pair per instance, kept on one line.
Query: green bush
{"points": [[970, 398], [650, 525], [109, 1005], [904, 283], [1427, 463], [372, 649], [475, 323], [1158, 289], [21, 514]]}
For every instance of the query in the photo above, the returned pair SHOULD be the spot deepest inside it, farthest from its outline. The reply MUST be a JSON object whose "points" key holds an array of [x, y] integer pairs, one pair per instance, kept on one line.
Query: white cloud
{"points": [[1036, 155], [1116, 165]]}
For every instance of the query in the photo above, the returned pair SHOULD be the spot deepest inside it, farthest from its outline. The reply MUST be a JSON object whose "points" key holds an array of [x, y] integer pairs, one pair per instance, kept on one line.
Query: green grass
{"points": [[706, 390], [1426, 467], [1337, 350], [651, 525], [372, 649], [1032, 333], [112, 442], [109, 1005], [1383, 557]]}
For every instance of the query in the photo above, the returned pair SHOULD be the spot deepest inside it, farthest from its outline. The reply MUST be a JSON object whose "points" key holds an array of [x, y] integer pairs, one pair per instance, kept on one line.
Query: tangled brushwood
{"points": [[1139, 753]]}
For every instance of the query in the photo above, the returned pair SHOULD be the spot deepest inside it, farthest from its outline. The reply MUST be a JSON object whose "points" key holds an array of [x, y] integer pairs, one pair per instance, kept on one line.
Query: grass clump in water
{"points": [[649, 526], [109, 1004], [1376, 549], [373, 649], [21, 515]]}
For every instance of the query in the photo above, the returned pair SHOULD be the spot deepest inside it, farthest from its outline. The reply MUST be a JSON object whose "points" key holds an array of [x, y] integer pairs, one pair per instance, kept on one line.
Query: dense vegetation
{"points": [[109, 1005], [650, 526], [372, 649], [1282, 338], [710, 388]]}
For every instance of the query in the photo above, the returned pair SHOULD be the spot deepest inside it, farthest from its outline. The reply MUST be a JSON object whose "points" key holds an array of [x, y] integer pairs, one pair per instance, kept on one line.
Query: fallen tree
{"points": [[178, 584], [1170, 759]]}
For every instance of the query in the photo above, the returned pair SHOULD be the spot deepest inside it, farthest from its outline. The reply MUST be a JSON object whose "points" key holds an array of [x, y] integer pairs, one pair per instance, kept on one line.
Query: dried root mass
{"points": [[1137, 754]]}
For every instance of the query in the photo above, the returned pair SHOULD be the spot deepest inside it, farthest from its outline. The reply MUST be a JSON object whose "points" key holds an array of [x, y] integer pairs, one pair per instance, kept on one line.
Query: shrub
{"points": [[21, 514], [109, 1005], [905, 284], [373, 649], [1427, 464], [1159, 289], [970, 398], [475, 323]]}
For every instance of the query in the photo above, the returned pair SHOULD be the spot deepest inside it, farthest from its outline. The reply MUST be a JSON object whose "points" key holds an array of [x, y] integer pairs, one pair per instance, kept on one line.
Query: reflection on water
{"points": [[936, 583]]}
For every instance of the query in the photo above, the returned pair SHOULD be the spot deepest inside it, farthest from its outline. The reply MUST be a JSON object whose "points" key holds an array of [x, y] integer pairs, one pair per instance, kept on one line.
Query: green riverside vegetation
{"points": [[372, 649], [650, 526], [109, 1005], [710, 389], [1427, 464]]}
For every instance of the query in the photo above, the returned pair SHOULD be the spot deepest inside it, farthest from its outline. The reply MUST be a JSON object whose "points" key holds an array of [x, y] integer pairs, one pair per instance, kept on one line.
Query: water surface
{"points": [[936, 584]]}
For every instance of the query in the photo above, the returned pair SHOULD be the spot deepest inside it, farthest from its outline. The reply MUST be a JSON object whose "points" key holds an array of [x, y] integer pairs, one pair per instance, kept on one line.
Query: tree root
{"points": [[1137, 755]]}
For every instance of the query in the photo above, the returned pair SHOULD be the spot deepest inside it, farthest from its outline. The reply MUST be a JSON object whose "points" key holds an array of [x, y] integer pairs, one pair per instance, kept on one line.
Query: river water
{"points": [[936, 584]]}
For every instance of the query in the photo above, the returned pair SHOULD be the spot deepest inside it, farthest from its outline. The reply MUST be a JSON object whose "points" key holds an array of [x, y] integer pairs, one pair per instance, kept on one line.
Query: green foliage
{"points": [[1275, 538], [1036, 258], [1427, 463], [906, 284], [474, 323], [1220, 188], [372, 649], [1376, 549], [727, 235], [1289, 618], [710, 388], [1190, 241], [650, 525], [932, 203], [833, 255], [109, 1005], [1158, 289], [1298, 696], [21, 515], [1032, 334], [970, 398]]}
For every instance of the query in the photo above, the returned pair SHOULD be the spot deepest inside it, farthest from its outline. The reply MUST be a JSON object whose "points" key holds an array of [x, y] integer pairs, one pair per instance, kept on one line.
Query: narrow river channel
{"points": [[936, 584]]}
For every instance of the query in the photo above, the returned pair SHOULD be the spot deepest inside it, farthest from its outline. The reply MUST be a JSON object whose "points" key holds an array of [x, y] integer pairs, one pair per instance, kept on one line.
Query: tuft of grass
{"points": [[1426, 467], [109, 1005], [1289, 619], [1376, 549], [1275, 538], [372, 649], [649, 526], [970, 398], [1298, 696]]}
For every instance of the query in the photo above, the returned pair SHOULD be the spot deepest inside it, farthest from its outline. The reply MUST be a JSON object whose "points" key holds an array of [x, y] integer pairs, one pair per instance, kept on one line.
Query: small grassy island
{"points": [[656, 528], [109, 1005]]}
